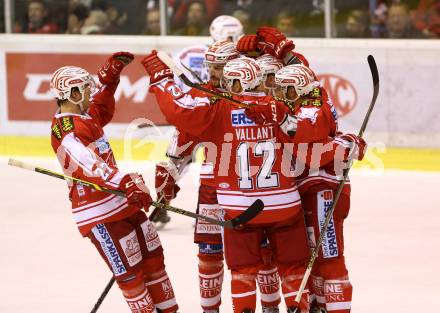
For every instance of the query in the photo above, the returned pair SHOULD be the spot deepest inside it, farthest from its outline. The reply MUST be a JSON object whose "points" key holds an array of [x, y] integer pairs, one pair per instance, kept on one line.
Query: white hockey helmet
{"points": [[221, 52], [298, 76], [68, 77], [226, 27], [244, 69], [269, 65]]}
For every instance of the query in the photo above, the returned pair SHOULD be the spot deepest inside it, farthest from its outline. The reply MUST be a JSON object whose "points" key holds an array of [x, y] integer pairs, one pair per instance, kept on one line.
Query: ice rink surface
{"points": [[392, 245]]}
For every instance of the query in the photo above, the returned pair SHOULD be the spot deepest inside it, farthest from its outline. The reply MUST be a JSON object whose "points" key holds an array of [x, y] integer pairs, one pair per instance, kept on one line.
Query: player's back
{"points": [[249, 167]]}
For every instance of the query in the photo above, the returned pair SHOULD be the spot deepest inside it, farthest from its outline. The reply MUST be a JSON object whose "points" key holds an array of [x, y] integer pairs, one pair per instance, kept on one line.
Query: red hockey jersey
{"points": [[85, 153], [318, 124], [247, 156]]}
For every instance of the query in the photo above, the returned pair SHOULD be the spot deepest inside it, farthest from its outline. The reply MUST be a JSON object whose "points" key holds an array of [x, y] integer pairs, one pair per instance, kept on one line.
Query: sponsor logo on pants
{"points": [[212, 211], [108, 247], [151, 237], [132, 249], [329, 243]]}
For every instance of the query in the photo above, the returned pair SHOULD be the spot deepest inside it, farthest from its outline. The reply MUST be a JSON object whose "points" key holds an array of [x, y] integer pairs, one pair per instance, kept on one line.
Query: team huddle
{"points": [[269, 131]]}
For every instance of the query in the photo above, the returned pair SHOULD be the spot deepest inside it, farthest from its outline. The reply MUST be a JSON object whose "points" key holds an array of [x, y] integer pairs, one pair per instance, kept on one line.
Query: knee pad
{"points": [[332, 268], [136, 293]]}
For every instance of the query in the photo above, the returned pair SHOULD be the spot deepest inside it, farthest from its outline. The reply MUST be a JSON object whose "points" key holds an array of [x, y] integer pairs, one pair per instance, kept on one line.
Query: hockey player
{"points": [[269, 66], [208, 236], [317, 116], [117, 226], [242, 147], [223, 27]]}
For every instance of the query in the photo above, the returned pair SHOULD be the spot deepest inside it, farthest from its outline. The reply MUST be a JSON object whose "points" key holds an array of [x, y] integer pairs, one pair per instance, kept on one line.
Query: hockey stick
{"points": [[103, 295], [252, 211], [375, 76], [192, 72], [165, 58]]}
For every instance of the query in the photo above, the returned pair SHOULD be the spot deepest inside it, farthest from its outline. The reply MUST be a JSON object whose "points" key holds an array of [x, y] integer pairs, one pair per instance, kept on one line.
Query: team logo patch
{"points": [[132, 249], [108, 247], [56, 132], [67, 124], [224, 185], [329, 244], [239, 119], [151, 237]]}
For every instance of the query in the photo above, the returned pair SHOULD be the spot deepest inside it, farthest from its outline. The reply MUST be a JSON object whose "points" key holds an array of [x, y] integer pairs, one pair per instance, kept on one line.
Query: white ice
{"points": [[392, 245]]}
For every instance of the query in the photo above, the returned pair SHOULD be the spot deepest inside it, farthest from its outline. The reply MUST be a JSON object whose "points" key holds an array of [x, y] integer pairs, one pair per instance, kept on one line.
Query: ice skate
{"points": [[161, 219]]}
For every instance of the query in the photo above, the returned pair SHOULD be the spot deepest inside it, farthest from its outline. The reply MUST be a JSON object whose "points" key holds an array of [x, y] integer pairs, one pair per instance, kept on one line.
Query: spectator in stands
{"points": [[426, 18], [285, 22], [152, 22], [379, 20], [245, 20], [96, 23], [76, 18], [261, 11], [117, 21], [196, 20], [399, 22], [357, 25], [37, 20], [180, 9]]}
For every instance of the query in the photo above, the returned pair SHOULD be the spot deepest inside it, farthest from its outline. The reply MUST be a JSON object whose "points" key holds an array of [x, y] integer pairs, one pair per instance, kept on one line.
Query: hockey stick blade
{"points": [[375, 77], [237, 221], [247, 215], [165, 58]]}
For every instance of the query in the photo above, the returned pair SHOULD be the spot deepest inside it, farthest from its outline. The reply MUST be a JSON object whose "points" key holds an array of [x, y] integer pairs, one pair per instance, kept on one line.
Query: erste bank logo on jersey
{"points": [[239, 119]]}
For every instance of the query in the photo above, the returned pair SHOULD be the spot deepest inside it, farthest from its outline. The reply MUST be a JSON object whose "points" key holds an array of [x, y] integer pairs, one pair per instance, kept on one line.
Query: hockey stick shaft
{"points": [[165, 58], [192, 72], [103, 295], [247, 215], [375, 77]]}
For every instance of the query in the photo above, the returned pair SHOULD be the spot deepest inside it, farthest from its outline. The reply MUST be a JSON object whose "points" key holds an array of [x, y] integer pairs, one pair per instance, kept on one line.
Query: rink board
{"points": [[407, 113]]}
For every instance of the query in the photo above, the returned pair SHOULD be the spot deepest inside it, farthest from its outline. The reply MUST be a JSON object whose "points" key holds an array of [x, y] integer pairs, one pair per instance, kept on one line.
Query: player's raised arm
{"points": [[102, 105], [190, 112]]}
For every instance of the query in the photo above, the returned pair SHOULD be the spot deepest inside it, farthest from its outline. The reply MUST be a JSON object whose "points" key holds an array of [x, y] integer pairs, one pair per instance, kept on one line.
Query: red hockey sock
{"points": [[269, 285], [159, 285], [211, 280], [244, 289], [291, 277], [336, 285], [317, 287], [137, 296]]}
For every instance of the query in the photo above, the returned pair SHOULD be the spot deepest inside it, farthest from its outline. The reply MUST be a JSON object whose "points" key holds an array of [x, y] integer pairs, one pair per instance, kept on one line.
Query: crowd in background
{"points": [[300, 18]]}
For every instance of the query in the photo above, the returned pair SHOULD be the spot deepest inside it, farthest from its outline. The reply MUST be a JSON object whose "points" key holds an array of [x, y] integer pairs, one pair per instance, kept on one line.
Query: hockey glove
{"points": [[354, 147], [274, 42], [247, 43], [165, 182], [156, 68], [109, 73], [137, 193]]}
